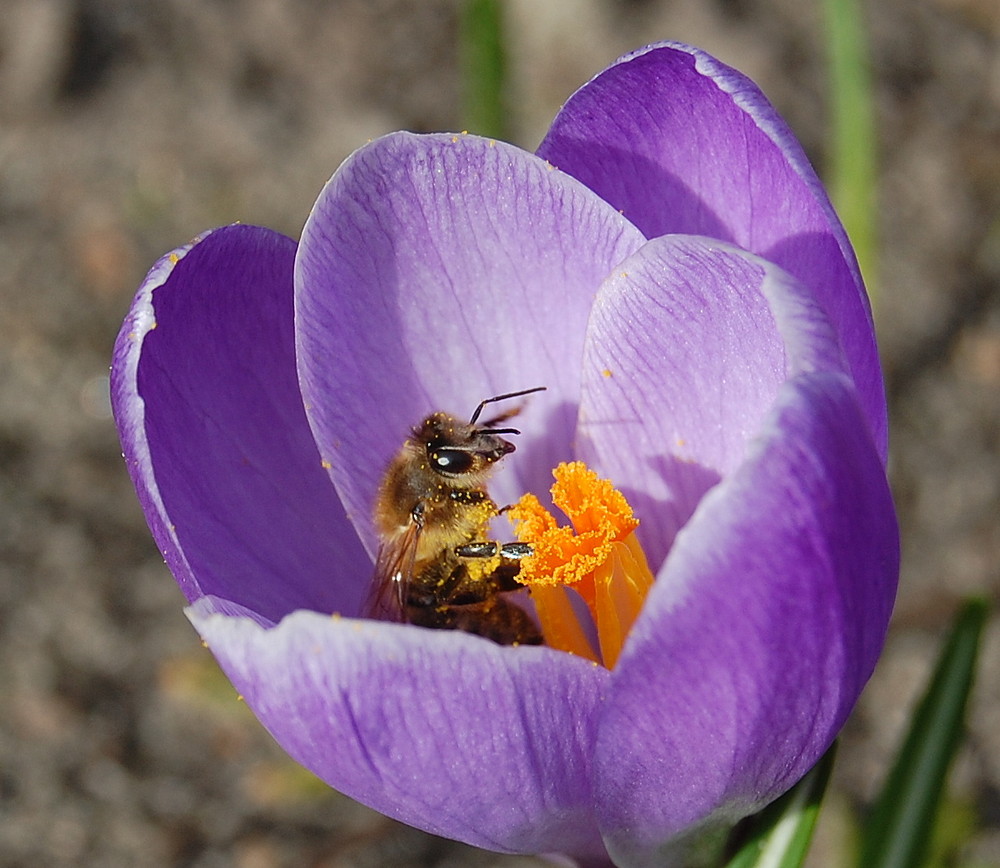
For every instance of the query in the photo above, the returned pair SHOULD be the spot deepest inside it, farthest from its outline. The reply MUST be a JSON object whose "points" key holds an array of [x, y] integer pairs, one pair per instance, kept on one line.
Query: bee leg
{"points": [[478, 550], [510, 551], [504, 577], [515, 551]]}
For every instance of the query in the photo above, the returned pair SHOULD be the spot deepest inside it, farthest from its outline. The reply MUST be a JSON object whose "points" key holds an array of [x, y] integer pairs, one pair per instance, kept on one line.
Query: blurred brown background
{"points": [[127, 127]]}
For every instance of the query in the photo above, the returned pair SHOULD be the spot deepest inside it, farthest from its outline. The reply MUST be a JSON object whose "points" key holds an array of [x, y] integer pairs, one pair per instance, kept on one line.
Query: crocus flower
{"points": [[669, 266]]}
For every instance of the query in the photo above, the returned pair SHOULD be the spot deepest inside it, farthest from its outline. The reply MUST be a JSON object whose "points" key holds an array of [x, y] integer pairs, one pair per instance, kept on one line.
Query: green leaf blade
{"points": [[898, 832], [483, 68], [852, 161]]}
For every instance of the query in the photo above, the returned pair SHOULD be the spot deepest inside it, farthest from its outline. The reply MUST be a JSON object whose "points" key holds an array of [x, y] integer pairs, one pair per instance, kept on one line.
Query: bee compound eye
{"points": [[451, 461]]}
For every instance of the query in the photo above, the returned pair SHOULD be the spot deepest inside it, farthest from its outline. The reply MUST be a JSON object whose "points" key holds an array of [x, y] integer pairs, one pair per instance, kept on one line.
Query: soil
{"points": [[128, 127]]}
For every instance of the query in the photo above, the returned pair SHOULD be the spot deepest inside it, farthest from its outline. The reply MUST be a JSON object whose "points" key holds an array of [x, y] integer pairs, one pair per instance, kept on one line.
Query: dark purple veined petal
{"points": [[764, 625], [448, 732], [689, 342], [436, 271], [215, 436], [684, 144]]}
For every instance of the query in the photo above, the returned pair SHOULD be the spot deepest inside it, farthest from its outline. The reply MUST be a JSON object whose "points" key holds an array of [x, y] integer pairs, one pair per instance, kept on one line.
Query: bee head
{"points": [[460, 451]]}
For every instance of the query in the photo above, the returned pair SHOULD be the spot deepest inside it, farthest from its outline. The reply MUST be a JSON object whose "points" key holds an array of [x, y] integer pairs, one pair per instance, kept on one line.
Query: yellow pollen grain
{"points": [[174, 258], [326, 465], [606, 373]]}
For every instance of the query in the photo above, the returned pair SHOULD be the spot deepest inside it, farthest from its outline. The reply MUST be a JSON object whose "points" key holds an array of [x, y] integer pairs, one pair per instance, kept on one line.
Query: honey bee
{"points": [[437, 565]]}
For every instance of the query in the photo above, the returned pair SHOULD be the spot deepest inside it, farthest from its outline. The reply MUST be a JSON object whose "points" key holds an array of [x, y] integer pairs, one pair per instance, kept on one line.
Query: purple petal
{"points": [[436, 271], [215, 436], [688, 346], [439, 729], [763, 627], [684, 144]]}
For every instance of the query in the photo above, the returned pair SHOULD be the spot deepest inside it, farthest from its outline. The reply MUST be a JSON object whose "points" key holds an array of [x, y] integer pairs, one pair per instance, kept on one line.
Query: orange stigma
{"points": [[599, 557]]}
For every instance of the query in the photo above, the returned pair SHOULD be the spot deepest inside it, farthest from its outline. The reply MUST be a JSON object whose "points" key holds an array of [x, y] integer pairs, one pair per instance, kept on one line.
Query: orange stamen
{"points": [[598, 557]]}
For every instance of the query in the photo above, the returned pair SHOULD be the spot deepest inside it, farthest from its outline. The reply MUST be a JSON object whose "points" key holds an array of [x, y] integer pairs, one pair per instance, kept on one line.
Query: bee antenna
{"points": [[498, 431], [504, 397]]}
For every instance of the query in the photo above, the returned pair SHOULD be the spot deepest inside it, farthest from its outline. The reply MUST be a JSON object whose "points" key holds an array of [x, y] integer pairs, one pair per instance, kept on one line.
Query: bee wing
{"points": [[393, 572]]}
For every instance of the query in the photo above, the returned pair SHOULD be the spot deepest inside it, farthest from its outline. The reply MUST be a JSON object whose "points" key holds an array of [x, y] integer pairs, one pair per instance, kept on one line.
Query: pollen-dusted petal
{"points": [[684, 144]]}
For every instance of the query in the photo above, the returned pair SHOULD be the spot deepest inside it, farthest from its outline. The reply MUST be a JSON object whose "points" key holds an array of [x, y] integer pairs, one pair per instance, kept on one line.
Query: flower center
{"points": [[598, 557]]}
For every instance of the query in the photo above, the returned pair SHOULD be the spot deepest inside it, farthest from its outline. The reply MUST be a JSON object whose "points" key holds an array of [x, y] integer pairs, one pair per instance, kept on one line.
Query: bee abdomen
{"points": [[497, 619]]}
